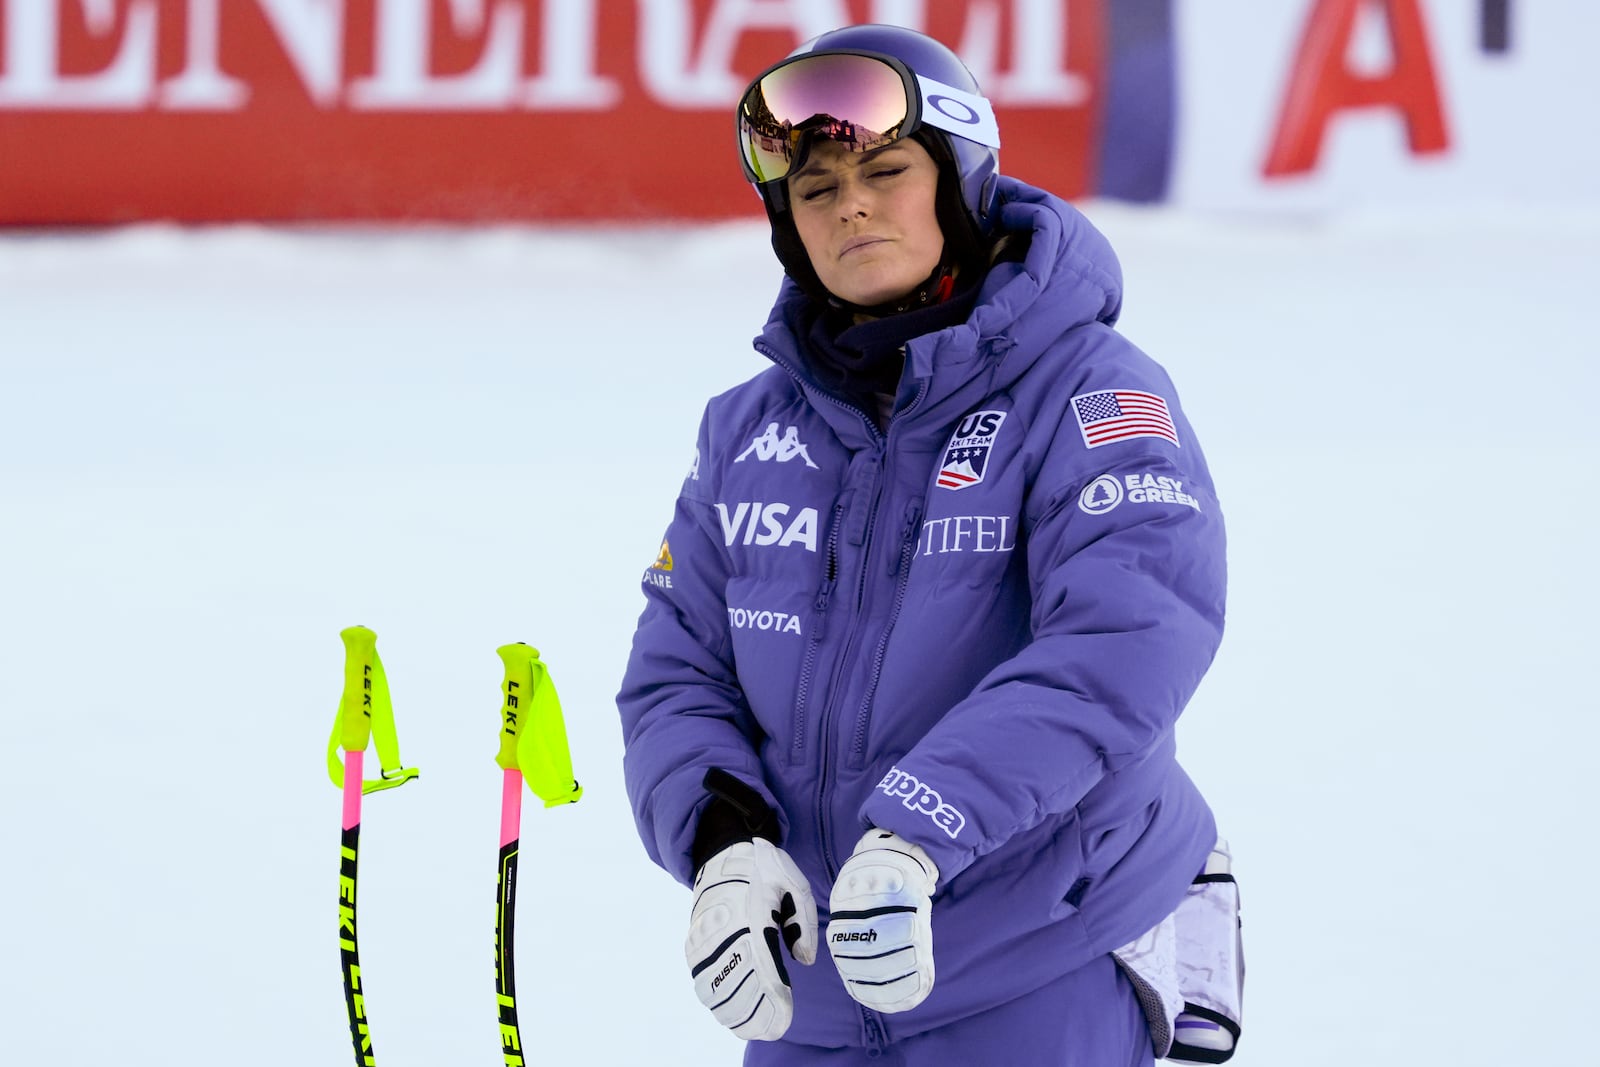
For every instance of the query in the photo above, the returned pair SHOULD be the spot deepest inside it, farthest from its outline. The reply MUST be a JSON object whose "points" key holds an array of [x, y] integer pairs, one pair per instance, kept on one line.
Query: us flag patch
{"points": [[1113, 415], [966, 457]]}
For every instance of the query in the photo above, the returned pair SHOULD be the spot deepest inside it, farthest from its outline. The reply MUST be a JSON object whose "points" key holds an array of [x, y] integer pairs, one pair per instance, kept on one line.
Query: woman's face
{"points": [[867, 219]]}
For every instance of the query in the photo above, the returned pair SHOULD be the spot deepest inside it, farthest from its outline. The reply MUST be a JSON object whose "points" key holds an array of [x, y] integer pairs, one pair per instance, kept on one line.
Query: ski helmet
{"points": [[868, 86]]}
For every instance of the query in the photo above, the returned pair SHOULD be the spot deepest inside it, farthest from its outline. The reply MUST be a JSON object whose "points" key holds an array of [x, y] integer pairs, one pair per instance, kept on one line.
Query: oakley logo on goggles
{"points": [[861, 101]]}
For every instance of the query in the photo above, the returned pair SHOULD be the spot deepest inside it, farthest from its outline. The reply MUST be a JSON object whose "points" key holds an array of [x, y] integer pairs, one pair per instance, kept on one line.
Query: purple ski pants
{"points": [[1089, 1018]]}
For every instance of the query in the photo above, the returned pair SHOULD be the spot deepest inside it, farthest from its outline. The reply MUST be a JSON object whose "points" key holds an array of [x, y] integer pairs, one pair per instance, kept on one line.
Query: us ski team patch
{"points": [[966, 457]]}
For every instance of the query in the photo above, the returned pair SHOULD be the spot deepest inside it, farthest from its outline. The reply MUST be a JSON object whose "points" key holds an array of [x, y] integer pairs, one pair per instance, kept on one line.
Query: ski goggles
{"points": [[863, 101]]}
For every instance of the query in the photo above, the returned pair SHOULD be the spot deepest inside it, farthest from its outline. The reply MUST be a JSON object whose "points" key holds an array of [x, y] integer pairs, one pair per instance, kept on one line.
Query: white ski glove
{"points": [[748, 898], [881, 930]]}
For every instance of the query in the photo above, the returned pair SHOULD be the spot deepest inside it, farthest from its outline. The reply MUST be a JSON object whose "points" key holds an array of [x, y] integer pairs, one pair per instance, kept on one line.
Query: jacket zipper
{"points": [[802, 381], [875, 1035], [880, 439], [900, 570], [825, 748], [873, 1024], [808, 665]]}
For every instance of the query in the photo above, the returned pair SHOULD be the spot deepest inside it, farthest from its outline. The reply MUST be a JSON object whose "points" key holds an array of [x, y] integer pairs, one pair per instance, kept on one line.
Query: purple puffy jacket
{"points": [[976, 630]]}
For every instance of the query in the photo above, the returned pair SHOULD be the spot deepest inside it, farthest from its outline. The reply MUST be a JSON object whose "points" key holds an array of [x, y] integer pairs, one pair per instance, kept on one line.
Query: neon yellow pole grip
{"points": [[534, 740], [355, 705], [515, 690]]}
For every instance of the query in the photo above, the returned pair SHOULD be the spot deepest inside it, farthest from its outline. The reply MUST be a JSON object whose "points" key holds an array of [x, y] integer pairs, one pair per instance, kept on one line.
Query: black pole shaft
{"points": [[505, 976], [349, 955]]}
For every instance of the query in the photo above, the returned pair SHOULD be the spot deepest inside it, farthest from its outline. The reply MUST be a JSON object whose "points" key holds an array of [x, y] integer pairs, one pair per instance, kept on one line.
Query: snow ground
{"points": [[219, 447]]}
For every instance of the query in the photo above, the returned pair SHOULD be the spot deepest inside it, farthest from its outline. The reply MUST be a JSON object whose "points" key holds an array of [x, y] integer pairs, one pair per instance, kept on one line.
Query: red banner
{"points": [[211, 110]]}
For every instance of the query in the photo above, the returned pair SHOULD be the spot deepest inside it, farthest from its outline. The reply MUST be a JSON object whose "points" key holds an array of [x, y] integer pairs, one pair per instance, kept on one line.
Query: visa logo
{"points": [[755, 523]]}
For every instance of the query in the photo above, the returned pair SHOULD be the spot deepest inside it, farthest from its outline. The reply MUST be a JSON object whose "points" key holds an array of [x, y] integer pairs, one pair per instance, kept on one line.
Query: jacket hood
{"points": [[1068, 260], [1069, 277]]}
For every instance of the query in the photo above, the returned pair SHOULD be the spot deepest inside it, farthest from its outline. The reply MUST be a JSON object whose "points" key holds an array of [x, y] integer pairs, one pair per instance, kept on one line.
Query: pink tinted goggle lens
{"points": [[858, 101]]}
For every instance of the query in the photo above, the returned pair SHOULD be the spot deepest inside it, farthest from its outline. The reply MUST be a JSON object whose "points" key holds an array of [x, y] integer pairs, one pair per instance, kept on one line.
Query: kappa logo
{"points": [[765, 524], [966, 457], [1107, 491], [920, 797], [770, 446]]}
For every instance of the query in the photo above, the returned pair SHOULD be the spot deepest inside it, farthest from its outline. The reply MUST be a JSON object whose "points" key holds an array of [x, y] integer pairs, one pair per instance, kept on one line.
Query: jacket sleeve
{"points": [[1127, 615], [683, 712]]}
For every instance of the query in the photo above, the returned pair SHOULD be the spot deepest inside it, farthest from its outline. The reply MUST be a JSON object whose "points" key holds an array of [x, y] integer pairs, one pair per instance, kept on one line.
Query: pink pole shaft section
{"points": [[352, 788], [510, 807]]}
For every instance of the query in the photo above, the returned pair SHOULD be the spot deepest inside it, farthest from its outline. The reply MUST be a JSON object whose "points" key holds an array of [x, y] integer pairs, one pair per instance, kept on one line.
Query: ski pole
{"points": [[533, 748], [364, 712]]}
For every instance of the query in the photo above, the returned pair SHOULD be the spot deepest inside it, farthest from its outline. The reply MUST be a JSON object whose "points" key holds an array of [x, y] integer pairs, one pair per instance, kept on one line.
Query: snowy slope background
{"points": [[219, 447]]}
